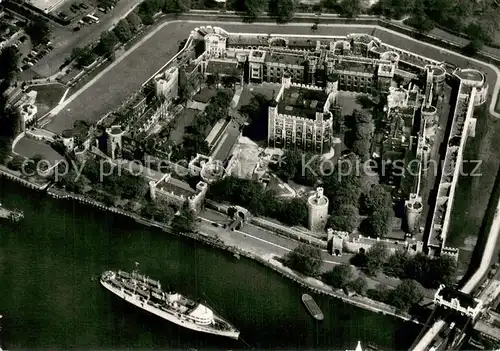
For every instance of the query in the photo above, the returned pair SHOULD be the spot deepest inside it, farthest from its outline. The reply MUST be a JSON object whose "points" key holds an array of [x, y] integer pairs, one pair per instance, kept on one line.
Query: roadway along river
{"points": [[51, 299], [129, 72]]}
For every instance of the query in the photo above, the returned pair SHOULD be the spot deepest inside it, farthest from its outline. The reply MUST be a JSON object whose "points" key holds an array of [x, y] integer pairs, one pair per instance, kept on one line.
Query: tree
{"points": [[283, 10], [420, 20], [396, 9], [344, 218], [397, 264], [9, 60], [123, 31], [184, 86], [305, 259], [9, 123], [340, 276], [134, 21], [286, 168], [184, 222], [444, 270], [231, 211], [175, 6], [39, 31], [365, 101], [378, 224], [16, 163], [380, 293], [362, 133], [477, 31], [377, 199], [473, 47], [350, 8], [107, 43], [407, 294], [294, 212], [358, 285], [376, 257], [83, 56]]}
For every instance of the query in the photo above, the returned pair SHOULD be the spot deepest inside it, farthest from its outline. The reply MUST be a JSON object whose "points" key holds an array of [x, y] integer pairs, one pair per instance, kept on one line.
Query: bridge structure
{"points": [[454, 311]]}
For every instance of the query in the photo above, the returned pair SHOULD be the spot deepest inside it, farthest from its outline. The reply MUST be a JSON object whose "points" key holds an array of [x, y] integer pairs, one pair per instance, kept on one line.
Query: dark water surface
{"points": [[51, 298]]}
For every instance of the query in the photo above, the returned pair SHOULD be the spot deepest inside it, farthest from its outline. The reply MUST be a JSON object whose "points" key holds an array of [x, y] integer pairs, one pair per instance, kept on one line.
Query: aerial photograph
{"points": [[250, 175]]}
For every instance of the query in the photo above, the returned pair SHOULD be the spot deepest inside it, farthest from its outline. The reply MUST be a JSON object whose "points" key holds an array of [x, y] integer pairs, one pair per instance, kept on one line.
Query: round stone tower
{"points": [[413, 211], [317, 205]]}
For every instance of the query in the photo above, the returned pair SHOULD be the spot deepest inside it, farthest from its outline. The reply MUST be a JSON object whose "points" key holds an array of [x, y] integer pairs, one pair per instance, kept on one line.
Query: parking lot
{"points": [[66, 38]]}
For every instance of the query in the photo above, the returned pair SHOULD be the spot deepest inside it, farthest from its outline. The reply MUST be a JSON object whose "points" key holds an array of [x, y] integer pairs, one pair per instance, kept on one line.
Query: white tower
{"points": [[317, 205], [114, 142], [413, 211], [152, 190]]}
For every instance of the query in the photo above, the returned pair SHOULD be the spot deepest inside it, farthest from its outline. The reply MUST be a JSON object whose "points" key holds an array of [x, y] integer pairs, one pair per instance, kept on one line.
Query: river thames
{"points": [[51, 298]]}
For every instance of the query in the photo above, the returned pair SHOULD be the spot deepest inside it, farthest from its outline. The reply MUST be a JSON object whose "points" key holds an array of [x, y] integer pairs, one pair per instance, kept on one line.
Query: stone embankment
{"points": [[11, 175], [266, 260]]}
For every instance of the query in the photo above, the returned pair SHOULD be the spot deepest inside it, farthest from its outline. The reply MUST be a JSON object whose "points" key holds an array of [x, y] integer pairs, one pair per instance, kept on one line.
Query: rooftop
{"points": [[177, 187], [228, 68], [465, 300], [227, 143], [318, 201], [302, 102], [352, 66], [437, 71], [247, 40], [470, 74], [285, 58]]}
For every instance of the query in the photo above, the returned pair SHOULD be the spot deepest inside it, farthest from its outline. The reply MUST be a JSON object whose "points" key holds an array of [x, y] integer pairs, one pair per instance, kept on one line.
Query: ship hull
{"points": [[134, 300]]}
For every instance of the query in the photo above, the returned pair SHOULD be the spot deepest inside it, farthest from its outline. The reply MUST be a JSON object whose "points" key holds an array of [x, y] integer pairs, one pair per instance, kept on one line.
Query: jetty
{"points": [[11, 215], [312, 307]]}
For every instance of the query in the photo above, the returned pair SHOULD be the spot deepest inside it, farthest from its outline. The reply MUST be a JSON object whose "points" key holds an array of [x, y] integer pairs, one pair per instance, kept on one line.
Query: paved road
{"points": [[65, 40], [110, 88], [259, 239]]}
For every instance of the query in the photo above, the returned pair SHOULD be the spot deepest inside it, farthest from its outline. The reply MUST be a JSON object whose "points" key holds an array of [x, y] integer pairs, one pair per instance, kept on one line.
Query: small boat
{"points": [[312, 307], [237, 256]]}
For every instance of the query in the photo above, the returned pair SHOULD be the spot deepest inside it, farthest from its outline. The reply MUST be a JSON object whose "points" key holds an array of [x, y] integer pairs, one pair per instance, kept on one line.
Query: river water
{"points": [[51, 298]]}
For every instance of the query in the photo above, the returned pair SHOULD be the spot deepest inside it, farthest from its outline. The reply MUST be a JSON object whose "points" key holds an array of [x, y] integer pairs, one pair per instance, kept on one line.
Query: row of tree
{"points": [[306, 259], [100, 175], [259, 200], [430, 272], [122, 32], [149, 8]]}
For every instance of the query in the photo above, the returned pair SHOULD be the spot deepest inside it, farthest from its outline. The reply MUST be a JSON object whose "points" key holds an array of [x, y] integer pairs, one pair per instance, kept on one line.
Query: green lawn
{"points": [[48, 96], [473, 192]]}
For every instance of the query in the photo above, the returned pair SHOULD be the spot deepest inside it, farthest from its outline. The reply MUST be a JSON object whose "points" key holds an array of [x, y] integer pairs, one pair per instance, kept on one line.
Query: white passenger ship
{"points": [[148, 295]]}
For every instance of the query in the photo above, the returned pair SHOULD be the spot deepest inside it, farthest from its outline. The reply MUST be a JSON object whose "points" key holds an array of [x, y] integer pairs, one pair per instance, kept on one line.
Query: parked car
{"points": [[76, 29], [84, 6], [25, 67], [63, 15], [72, 9], [31, 64]]}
